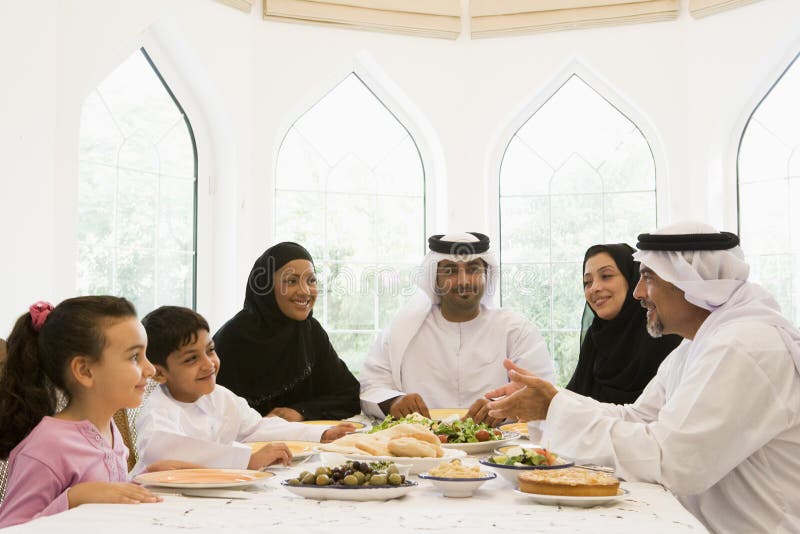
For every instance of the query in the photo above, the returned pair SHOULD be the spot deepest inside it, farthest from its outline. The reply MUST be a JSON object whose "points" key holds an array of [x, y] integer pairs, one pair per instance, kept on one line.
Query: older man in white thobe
{"points": [[719, 425], [446, 347]]}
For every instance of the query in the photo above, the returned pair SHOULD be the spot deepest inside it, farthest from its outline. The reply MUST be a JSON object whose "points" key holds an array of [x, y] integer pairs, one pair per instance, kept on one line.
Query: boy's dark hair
{"points": [[38, 359], [169, 328]]}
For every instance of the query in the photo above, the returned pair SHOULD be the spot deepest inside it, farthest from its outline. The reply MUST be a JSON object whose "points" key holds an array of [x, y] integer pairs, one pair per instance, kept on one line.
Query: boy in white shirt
{"points": [[188, 417]]}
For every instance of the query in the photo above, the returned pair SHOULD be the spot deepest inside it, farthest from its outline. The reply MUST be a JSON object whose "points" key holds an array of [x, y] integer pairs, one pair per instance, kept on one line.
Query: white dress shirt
{"points": [[209, 431], [452, 364], [719, 426]]}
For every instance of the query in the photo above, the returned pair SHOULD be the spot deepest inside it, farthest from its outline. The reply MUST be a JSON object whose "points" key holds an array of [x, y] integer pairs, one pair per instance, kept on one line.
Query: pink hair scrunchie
{"points": [[39, 312]]}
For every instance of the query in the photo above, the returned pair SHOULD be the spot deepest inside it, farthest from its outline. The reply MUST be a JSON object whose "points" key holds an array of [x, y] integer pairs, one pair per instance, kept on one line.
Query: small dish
{"points": [[438, 414], [458, 487], [520, 428], [299, 449], [481, 446], [511, 472], [565, 500]]}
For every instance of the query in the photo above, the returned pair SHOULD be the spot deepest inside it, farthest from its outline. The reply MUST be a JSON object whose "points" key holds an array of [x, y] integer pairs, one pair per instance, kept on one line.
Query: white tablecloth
{"points": [[647, 508]]}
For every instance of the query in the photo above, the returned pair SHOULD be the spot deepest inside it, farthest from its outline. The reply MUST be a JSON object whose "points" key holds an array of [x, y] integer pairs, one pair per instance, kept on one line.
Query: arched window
{"points": [[137, 194], [350, 186], [768, 172], [577, 173]]}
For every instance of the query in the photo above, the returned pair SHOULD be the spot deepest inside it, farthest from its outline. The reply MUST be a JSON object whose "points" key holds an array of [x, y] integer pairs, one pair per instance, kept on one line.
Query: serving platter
{"points": [[566, 500], [350, 493], [482, 446]]}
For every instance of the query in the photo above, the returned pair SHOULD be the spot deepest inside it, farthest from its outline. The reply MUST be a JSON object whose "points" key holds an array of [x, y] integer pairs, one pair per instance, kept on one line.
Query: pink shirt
{"points": [[55, 456]]}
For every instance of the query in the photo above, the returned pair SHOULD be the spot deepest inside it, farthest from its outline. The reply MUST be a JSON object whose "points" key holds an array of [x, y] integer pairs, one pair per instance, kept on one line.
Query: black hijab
{"points": [[618, 357], [272, 360]]}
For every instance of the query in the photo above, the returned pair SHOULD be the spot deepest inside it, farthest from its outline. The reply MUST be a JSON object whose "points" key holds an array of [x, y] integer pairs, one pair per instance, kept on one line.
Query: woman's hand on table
{"points": [[109, 493], [336, 432], [286, 413], [270, 454]]}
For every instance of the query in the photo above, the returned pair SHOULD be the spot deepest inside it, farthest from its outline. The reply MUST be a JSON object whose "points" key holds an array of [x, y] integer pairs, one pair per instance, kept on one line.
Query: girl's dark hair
{"points": [[37, 361]]}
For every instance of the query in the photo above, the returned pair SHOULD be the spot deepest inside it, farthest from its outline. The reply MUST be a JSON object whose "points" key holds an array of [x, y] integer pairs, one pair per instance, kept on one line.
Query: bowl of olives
{"points": [[352, 480]]}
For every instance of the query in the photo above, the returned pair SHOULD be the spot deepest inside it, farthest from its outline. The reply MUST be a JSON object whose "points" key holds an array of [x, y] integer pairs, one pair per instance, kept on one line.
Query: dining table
{"points": [[270, 507]]}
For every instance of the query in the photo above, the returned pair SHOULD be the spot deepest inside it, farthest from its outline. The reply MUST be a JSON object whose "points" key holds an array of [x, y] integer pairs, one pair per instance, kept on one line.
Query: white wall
{"points": [[243, 81]]}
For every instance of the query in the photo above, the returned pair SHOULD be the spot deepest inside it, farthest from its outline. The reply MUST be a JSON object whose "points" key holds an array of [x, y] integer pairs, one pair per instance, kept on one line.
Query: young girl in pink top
{"points": [[93, 350]]}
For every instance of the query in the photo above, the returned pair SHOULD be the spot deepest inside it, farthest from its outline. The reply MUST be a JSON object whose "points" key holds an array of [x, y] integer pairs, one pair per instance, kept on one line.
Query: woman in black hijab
{"points": [[618, 357], [275, 354]]}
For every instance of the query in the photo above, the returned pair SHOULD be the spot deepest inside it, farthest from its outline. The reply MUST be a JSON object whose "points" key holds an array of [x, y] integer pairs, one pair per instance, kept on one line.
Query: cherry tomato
{"points": [[442, 438], [483, 435]]}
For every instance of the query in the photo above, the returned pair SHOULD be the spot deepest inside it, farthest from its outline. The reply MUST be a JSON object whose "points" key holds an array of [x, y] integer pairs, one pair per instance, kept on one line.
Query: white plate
{"points": [[482, 446], [565, 500], [351, 493], [415, 465], [457, 487], [203, 478]]}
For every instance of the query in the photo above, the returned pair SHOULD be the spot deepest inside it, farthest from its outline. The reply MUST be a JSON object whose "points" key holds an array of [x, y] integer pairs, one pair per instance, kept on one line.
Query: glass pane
{"points": [[137, 99], [139, 153], [400, 171], [128, 214], [602, 190], [176, 152], [299, 166], [394, 285], [576, 223], [350, 175], [523, 172], [566, 347], [630, 166], [364, 204], [774, 273], [352, 348], [526, 288], [136, 211], [525, 229], [762, 156], [95, 270], [175, 281], [301, 218], [100, 138], [628, 215], [568, 299], [576, 176], [351, 300], [350, 224], [136, 278], [765, 235], [176, 215], [394, 246]]}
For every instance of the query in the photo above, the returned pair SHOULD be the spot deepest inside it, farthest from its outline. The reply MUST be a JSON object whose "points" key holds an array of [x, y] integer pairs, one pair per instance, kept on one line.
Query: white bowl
{"points": [[457, 487], [511, 472]]}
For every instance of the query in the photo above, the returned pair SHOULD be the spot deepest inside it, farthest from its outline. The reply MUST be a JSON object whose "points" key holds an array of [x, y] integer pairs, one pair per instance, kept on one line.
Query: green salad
{"points": [[466, 431], [535, 456]]}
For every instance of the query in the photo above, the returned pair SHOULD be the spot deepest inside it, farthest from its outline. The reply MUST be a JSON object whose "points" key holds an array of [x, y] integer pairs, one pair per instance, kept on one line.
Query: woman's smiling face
{"points": [[604, 286], [296, 289]]}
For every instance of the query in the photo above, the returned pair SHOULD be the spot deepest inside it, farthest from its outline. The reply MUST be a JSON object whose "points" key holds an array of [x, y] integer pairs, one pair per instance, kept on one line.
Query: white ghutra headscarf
{"points": [[715, 280]]}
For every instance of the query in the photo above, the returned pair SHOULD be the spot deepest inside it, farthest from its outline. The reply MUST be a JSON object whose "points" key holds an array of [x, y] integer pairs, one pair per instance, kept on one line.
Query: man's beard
{"points": [[654, 326]]}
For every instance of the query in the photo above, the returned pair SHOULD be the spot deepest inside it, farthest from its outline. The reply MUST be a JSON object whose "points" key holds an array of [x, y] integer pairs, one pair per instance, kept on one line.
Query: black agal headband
{"points": [[459, 248], [679, 242]]}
